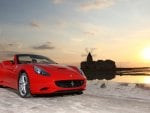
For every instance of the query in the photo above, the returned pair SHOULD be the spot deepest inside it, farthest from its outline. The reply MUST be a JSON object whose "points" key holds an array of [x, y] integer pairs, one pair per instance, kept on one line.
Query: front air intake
{"points": [[69, 83]]}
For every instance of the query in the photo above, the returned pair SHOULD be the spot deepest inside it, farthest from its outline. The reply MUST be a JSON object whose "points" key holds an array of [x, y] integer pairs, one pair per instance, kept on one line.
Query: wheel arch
{"points": [[20, 72], [23, 71]]}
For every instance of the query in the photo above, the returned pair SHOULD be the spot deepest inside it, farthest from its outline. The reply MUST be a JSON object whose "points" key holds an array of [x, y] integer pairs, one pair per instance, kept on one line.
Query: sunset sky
{"points": [[62, 29]]}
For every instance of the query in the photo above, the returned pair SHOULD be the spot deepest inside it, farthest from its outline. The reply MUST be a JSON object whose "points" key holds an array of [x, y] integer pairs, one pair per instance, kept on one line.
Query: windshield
{"points": [[24, 59]]}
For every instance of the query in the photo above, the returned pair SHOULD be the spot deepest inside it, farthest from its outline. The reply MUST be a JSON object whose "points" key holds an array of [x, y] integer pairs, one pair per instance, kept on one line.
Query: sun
{"points": [[146, 53]]}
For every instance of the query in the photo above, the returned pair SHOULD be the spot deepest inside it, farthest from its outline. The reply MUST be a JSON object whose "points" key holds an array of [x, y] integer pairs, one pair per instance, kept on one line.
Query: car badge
{"points": [[72, 83]]}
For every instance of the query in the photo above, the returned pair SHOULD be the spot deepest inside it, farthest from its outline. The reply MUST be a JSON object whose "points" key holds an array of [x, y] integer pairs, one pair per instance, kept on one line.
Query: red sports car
{"points": [[35, 74]]}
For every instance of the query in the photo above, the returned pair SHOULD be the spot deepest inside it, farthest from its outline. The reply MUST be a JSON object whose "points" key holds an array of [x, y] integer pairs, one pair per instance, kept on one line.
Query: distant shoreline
{"points": [[136, 71], [131, 68]]}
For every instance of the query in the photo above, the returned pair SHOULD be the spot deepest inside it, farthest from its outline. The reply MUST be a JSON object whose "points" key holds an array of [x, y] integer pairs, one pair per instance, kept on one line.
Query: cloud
{"points": [[61, 23], [96, 5], [58, 1], [16, 45], [45, 46], [89, 33], [92, 30], [78, 40], [7, 50], [34, 24], [10, 46]]}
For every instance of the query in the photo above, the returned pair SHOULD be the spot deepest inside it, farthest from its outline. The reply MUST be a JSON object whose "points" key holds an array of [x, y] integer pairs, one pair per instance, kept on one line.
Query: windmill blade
{"points": [[87, 50], [92, 49], [84, 55], [94, 55]]}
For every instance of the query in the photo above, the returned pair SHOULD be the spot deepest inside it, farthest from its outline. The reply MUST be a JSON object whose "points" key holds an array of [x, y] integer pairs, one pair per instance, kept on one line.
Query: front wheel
{"points": [[79, 92], [1, 86], [23, 86]]}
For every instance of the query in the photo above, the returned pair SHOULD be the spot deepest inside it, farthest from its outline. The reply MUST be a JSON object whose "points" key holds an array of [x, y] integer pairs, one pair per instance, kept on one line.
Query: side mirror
{"points": [[8, 62]]}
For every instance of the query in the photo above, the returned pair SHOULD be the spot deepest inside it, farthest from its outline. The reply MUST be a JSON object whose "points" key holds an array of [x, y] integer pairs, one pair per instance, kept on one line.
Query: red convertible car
{"points": [[35, 74]]}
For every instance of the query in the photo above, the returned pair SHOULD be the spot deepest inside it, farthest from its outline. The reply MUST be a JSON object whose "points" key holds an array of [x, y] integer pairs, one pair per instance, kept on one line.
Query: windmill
{"points": [[89, 54]]}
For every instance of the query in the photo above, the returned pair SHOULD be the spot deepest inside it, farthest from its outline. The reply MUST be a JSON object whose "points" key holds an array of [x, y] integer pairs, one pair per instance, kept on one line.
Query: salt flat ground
{"points": [[111, 98]]}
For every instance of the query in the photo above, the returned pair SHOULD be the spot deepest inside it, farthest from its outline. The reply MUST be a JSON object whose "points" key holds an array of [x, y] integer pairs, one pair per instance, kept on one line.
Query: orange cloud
{"points": [[44, 46], [96, 4]]}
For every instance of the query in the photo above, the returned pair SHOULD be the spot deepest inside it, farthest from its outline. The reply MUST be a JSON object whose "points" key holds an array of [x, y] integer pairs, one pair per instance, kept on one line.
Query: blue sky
{"points": [[62, 29]]}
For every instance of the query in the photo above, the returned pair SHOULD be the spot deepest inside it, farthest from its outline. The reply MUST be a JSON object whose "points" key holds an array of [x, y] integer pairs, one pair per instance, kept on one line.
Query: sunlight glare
{"points": [[146, 53], [146, 80]]}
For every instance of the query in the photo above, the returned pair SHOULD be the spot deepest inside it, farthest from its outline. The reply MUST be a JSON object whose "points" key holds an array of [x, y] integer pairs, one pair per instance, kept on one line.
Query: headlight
{"points": [[40, 71]]}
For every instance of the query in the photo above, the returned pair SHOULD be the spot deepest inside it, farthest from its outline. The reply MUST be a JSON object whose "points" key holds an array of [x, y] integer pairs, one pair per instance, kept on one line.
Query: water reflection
{"points": [[132, 79]]}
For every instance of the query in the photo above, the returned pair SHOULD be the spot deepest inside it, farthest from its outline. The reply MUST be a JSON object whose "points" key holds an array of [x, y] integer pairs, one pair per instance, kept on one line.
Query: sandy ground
{"points": [[114, 98]]}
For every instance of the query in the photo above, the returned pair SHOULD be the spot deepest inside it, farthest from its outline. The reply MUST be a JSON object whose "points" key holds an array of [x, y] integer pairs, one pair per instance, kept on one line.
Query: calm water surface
{"points": [[132, 79]]}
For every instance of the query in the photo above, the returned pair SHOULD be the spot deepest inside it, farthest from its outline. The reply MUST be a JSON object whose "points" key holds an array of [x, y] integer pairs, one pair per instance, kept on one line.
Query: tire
{"points": [[23, 86], [79, 92], [1, 86]]}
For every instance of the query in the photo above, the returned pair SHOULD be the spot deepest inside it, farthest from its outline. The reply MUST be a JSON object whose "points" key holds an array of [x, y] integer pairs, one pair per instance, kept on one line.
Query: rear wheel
{"points": [[23, 86]]}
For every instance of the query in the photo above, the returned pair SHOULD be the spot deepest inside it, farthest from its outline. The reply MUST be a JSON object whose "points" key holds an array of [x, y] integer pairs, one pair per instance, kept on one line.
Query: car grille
{"points": [[69, 83]]}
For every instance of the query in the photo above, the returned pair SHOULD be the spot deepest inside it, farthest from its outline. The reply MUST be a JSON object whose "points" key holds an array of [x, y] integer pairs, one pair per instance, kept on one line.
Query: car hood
{"points": [[61, 71], [55, 67]]}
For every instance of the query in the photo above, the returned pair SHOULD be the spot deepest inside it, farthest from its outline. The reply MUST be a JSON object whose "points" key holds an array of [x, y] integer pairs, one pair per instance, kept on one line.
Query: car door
{"points": [[1, 74], [9, 74]]}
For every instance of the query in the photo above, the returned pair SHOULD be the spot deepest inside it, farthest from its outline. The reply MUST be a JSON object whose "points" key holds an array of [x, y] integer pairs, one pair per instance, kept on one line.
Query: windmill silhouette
{"points": [[89, 54], [100, 69]]}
